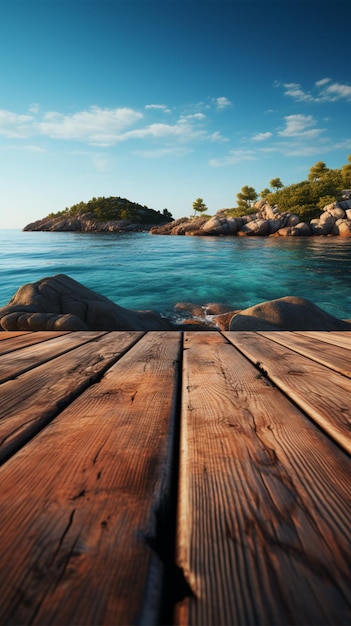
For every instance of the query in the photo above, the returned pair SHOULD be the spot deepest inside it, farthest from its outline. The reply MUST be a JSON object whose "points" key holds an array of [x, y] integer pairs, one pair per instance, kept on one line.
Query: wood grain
{"points": [[321, 393], [17, 362], [32, 400], [333, 356], [264, 499], [80, 501], [336, 338], [14, 340], [7, 334]]}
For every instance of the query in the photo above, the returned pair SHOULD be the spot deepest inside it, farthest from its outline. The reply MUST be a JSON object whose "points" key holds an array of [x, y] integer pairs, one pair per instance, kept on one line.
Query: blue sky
{"points": [[165, 101]]}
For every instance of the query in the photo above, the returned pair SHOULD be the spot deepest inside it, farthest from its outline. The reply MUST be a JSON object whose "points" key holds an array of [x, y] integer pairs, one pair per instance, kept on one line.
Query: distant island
{"points": [[113, 214], [319, 205]]}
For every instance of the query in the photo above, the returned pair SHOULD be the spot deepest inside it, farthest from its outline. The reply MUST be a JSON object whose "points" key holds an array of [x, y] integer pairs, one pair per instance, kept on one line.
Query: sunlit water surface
{"points": [[141, 271]]}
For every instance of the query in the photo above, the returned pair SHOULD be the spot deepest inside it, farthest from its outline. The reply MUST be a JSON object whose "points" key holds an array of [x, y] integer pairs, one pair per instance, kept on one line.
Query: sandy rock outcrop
{"points": [[335, 219], [289, 313], [182, 226], [61, 303], [344, 228], [88, 223]]}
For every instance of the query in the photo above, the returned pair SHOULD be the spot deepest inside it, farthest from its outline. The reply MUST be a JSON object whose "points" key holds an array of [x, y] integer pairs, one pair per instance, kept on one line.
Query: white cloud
{"points": [[300, 126], [99, 126], [233, 157], [336, 91], [107, 127], [187, 128], [322, 82], [14, 125], [294, 90], [195, 116], [172, 151], [158, 107], [222, 103], [325, 92], [262, 136], [34, 108], [216, 136]]}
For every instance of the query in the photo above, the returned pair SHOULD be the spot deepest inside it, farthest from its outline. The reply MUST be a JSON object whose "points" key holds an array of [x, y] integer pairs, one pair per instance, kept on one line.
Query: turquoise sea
{"points": [[142, 271]]}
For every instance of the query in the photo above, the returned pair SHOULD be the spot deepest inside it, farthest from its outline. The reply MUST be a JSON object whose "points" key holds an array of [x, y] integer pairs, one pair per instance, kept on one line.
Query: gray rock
{"points": [[289, 313], [61, 303], [303, 229], [344, 204], [182, 226], [257, 227]]}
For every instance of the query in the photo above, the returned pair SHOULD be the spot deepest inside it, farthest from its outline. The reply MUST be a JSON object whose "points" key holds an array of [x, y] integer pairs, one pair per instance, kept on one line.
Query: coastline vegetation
{"points": [[307, 198], [115, 208]]}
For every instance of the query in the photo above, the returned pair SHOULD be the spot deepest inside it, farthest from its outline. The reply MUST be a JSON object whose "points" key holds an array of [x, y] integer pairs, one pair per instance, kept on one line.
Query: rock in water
{"points": [[289, 313], [61, 303]]}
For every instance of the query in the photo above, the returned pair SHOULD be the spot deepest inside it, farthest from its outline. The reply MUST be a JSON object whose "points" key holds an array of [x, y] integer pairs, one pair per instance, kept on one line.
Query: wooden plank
{"points": [[81, 502], [333, 356], [320, 392], [337, 337], [7, 334], [31, 401], [264, 500], [14, 341], [19, 361]]}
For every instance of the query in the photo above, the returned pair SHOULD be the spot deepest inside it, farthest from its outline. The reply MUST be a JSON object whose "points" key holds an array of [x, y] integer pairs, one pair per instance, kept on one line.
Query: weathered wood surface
{"points": [[337, 337], [33, 399], [80, 502], [335, 357], [9, 334], [264, 499], [320, 392], [88, 487], [16, 362], [11, 341]]}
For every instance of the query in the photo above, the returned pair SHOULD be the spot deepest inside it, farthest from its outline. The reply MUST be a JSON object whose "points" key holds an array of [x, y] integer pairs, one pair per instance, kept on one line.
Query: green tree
{"points": [[276, 183], [317, 171], [346, 173], [167, 214], [199, 206], [264, 193], [246, 197]]}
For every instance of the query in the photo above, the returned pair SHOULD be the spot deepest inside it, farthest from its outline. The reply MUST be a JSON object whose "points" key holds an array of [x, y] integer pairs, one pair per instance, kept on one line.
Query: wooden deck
{"points": [[175, 478]]}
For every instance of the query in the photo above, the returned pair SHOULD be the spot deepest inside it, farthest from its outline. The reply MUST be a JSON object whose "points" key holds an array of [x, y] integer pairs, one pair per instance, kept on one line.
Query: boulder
{"points": [[189, 308], [61, 303], [257, 227], [303, 229], [274, 225], [335, 211], [289, 313], [219, 225], [286, 231], [222, 322], [344, 204], [217, 308], [344, 228]]}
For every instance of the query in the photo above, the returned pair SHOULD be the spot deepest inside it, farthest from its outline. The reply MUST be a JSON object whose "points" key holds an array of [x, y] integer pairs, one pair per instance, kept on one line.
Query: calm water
{"points": [[141, 271]]}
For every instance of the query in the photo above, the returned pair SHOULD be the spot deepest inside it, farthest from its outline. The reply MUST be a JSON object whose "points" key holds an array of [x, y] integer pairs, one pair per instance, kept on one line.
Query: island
{"points": [[113, 214]]}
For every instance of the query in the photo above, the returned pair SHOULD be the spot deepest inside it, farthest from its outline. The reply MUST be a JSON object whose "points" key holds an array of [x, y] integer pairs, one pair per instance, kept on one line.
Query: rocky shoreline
{"points": [[335, 220], [87, 223], [63, 304], [265, 220]]}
